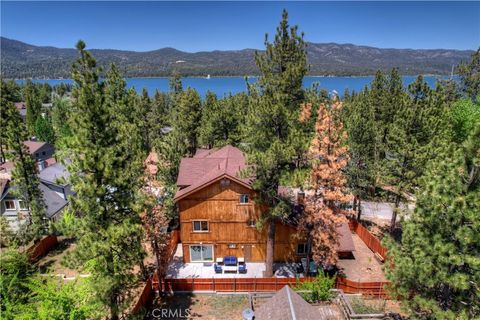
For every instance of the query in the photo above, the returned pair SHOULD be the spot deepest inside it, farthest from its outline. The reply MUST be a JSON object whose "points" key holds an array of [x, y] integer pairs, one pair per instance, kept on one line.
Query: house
{"points": [[22, 109], [53, 185], [286, 304], [39, 150], [15, 211], [55, 177], [218, 214]]}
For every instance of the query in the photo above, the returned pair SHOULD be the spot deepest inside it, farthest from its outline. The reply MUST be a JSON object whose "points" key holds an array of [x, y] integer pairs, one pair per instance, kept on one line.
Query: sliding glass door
{"points": [[201, 253]]}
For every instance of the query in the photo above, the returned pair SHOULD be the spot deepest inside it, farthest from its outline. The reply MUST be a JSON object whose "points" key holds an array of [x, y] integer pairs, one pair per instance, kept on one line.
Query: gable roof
{"points": [[286, 304], [55, 172], [34, 146], [209, 166]]}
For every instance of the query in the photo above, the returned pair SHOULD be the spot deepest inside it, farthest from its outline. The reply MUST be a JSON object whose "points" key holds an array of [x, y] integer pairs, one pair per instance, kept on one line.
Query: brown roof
{"points": [[7, 166], [345, 239], [20, 105], [33, 146], [286, 304], [208, 166]]}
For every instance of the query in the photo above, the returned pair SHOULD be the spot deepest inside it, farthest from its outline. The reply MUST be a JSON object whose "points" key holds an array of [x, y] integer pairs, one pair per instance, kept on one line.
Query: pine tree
{"points": [[420, 117], [143, 109], [158, 116], [176, 85], [362, 168], [187, 114], [436, 265], [470, 76], [24, 175], [323, 209], [44, 129], [272, 121], [106, 165], [221, 120], [33, 103]]}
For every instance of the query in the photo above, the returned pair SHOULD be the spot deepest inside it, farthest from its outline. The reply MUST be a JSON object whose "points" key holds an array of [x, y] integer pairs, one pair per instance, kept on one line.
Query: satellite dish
{"points": [[247, 314]]}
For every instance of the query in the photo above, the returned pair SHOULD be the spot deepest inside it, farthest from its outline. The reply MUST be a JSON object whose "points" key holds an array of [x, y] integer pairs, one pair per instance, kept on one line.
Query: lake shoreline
{"points": [[249, 76]]}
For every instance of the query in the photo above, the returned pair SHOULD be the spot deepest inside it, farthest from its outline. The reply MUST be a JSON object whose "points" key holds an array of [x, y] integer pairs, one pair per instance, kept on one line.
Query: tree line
{"points": [[384, 140]]}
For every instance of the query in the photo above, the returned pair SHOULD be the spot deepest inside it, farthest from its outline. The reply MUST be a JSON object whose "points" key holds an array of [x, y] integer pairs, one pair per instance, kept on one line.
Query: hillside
{"points": [[22, 60]]}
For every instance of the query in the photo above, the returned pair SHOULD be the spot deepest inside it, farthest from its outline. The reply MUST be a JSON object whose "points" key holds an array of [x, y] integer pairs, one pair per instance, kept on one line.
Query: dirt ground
{"points": [[52, 262], [364, 268], [208, 307]]}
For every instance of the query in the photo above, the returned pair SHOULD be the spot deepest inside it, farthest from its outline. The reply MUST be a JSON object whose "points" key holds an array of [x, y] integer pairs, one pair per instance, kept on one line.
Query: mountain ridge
{"points": [[22, 60]]}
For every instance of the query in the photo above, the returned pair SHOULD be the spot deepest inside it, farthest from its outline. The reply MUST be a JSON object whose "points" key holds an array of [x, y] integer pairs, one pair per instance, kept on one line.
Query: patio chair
{"points": [[242, 268], [217, 268]]}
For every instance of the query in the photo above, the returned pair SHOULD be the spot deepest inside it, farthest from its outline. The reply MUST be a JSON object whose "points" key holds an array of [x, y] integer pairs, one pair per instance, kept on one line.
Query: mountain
{"points": [[22, 60]]}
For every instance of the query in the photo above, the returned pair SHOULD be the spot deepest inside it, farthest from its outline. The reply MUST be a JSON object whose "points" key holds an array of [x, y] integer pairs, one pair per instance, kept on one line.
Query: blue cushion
{"points": [[242, 268], [230, 260]]}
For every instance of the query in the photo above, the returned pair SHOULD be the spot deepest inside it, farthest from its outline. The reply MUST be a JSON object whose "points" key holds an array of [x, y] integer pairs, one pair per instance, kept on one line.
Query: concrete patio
{"points": [[180, 270]]}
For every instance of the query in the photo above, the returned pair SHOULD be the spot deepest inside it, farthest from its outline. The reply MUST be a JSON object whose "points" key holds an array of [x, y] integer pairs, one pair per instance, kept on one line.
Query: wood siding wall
{"points": [[228, 224]]}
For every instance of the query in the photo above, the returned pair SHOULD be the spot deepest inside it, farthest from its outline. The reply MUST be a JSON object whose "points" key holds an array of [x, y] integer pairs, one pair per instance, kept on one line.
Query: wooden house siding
{"points": [[228, 225]]}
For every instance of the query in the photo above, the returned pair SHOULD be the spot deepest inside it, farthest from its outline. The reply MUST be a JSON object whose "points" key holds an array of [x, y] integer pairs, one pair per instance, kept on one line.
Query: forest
{"points": [[419, 140]]}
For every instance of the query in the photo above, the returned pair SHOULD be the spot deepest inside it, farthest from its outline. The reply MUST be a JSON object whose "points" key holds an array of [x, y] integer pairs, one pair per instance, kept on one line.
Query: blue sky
{"points": [[199, 26]]}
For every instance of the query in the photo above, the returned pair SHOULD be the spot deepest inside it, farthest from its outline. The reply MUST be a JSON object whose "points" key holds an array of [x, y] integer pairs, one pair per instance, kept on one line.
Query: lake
{"points": [[225, 85]]}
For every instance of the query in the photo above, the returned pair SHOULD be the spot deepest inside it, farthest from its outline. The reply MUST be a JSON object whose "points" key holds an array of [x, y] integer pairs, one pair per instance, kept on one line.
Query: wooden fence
{"points": [[145, 298], [153, 283], [266, 285], [376, 289], [370, 240], [41, 248]]}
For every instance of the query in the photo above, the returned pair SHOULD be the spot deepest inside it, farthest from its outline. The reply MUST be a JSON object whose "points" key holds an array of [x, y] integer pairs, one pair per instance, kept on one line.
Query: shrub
{"points": [[317, 290]]}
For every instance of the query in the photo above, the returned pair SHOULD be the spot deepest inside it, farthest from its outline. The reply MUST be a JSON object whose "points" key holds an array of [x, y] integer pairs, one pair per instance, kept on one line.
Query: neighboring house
{"points": [[55, 177], [39, 150], [22, 109], [53, 185], [15, 211], [218, 214]]}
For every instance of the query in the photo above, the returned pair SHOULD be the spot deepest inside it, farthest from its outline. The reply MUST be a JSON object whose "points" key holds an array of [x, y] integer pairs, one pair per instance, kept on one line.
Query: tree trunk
{"points": [[270, 248], [394, 213], [309, 252], [359, 209], [355, 203]]}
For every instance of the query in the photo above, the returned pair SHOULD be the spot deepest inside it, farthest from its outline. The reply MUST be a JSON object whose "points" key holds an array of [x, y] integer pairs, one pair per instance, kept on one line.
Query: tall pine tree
{"points": [[437, 263], [106, 165], [272, 121], [24, 175]]}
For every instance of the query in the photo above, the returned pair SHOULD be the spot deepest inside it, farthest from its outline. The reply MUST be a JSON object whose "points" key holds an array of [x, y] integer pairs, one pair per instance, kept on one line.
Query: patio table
{"points": [[230, 269]]}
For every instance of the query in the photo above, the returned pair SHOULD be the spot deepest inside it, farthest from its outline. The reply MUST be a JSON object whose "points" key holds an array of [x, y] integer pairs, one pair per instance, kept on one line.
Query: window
{"points": [[302, 249], [201, 253], [10, 205], [21, 205], [200, 226], [43, 153], [244, 198], [232, 246], [252, 223], [37, 155]]}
